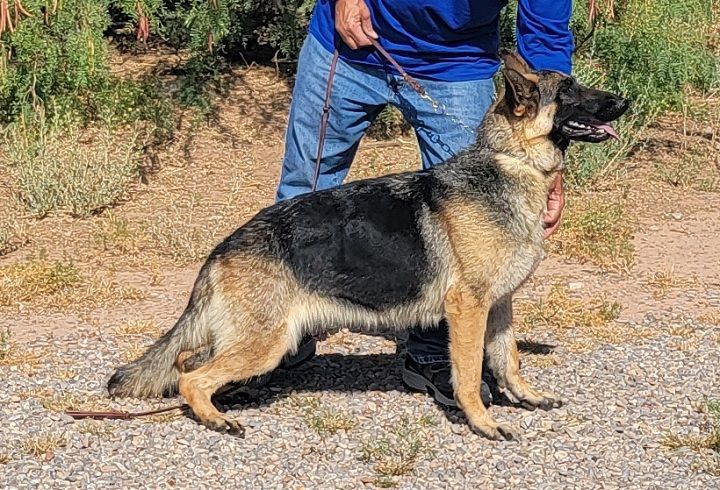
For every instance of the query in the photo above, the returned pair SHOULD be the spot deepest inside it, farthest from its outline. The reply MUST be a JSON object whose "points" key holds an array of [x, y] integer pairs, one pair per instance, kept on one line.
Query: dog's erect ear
{"points": [[513, 61], [520, 84], [521, 93]]}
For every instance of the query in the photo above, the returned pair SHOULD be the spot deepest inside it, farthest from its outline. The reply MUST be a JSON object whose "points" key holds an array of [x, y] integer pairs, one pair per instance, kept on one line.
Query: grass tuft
{"points": [[42, 445], [53, 283], [570, 318], [321, 418], [708, 445], [596, 231], [689, 172], [398, 453], [116, 234]]}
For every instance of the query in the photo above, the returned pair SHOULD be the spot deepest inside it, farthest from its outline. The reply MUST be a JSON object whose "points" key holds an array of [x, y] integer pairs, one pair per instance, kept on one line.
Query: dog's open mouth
{"points": [[598, 131]]}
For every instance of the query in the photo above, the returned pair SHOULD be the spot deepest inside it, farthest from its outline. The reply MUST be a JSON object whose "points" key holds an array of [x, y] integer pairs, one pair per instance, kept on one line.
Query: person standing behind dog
{"points": [[451, 47]]}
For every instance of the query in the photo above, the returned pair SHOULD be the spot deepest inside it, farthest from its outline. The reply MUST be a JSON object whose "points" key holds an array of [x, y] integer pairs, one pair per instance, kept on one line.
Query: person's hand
{"points": [[352, 21], [555, 205]]}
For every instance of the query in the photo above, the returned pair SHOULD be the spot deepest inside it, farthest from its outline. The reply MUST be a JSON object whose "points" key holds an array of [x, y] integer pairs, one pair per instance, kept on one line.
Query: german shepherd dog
{"points": [[452, 242]]}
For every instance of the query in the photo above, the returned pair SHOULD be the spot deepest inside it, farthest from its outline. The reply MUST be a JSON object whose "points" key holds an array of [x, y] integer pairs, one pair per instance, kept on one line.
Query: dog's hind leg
{"points": [[504, 360], [467, 317], [255, 353]]}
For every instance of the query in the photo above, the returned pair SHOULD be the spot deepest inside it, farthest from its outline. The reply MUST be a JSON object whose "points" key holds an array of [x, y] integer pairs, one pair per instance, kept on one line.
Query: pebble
{"points": [[623, 400]]}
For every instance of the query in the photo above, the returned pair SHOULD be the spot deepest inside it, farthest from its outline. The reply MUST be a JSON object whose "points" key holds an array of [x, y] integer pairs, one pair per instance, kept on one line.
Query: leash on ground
{"points": [[412, 83]]}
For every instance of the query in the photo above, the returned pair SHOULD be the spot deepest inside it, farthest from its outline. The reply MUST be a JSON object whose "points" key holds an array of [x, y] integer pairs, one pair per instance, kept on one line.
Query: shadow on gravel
{"points": [[347, 373]]}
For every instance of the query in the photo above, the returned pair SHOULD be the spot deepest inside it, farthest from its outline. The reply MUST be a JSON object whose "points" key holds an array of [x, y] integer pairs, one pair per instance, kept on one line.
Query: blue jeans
{"points": [[359, 94]]}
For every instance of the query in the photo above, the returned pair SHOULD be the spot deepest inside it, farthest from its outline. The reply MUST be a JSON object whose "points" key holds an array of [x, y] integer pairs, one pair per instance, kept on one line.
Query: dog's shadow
{"points": [[348, 373]]}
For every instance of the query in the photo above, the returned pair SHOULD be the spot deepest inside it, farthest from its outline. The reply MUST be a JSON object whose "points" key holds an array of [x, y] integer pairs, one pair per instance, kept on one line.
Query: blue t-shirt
{"points": [[454, 40]]}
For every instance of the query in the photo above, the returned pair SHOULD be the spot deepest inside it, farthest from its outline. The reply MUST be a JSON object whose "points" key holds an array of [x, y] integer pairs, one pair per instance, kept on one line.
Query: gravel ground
{"points": [[622, 401]]}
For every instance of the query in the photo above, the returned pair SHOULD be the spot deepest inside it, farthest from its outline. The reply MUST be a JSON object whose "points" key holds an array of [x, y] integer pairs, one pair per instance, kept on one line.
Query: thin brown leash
{"points": [[115, 415], [412, 83]]}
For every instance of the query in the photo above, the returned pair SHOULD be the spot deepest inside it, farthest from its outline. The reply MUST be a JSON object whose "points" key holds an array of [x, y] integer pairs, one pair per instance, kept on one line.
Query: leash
{"points": [[115, 415], [412, 83]]}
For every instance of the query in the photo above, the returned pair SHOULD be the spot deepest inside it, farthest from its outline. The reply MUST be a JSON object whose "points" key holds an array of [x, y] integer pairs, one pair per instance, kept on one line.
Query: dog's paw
{"points": [[226, 426], [496, 432], [543, 401]]}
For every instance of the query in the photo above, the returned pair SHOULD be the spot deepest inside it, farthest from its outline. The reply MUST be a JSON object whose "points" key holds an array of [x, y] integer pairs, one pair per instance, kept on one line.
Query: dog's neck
{"points": [[532, 151]]}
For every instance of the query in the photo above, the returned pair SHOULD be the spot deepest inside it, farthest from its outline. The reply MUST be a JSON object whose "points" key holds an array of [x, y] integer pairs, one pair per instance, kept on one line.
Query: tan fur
{"points": [[467, 312]]}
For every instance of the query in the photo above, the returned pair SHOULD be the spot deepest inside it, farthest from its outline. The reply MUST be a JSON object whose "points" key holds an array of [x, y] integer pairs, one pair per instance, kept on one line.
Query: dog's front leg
{"points": [[467, 317], [504, 360]]}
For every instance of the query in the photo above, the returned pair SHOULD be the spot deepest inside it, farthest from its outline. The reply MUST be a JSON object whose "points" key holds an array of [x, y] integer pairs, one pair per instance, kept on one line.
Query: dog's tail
{"points": [[154, 373]]}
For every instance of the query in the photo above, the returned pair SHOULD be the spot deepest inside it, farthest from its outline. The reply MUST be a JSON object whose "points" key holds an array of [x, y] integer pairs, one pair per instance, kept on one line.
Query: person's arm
{"points": [[544, 39]]}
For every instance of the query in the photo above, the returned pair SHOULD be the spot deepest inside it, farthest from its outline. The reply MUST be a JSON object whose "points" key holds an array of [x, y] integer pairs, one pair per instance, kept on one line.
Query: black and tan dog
{"points": [[455, 241]]}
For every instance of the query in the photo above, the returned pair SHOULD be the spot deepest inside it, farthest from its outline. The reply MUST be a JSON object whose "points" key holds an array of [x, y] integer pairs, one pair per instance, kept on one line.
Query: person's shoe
{"points": [[305, 352], [434, 378]]}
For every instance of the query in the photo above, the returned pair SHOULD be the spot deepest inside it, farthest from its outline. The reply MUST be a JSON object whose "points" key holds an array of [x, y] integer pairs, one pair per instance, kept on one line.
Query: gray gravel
{"points": [[623, 400]]}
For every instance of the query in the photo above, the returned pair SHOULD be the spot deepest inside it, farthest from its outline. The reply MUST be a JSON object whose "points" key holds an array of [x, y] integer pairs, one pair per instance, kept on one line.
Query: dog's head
{"points": [[550, 104]]}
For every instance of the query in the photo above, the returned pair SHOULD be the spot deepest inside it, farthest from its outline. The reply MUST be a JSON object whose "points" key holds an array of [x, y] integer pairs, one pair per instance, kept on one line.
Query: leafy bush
{"points": [[57, 59], [55, 169]]}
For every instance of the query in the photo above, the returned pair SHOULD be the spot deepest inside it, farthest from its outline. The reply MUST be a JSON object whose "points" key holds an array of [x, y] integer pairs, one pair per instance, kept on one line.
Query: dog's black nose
{"points": [[613, 108], [623, 104]]}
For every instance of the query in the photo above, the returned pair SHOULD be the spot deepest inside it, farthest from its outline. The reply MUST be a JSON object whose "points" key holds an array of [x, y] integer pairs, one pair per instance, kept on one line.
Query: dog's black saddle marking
{"points": [[361, 242]]}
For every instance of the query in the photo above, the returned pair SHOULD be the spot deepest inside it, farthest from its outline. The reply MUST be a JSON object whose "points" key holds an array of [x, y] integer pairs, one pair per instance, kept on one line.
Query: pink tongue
{"points": [[608, 129]]}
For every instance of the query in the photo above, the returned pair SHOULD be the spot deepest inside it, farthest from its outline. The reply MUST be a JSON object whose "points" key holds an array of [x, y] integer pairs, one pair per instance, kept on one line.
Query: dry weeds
{"points": [[62, 168], [140, 327], [68, 400], [181, 236], [596, 230], [5, 338], [573, 318], [26, 361], [661, 282], [40, 281], [13, 235], [96, 428], [710, 318], [43, 445]]}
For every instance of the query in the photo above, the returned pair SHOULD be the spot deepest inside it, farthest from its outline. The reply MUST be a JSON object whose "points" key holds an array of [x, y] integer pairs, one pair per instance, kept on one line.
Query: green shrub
{"points": [[388, 124], [56, 168], [57, 60], [652, 51]]}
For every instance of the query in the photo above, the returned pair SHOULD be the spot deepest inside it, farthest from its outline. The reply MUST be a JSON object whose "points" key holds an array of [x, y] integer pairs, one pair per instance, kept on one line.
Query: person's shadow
{"points": [[347, 373]]}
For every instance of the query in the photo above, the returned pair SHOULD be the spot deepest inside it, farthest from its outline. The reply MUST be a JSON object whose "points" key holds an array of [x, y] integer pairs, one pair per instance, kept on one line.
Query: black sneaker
{"points": [[305, 352], [434, 378]]}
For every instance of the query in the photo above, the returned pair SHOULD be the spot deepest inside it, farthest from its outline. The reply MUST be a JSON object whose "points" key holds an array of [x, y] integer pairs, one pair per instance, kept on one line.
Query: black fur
{"points": [[361, 243]]}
